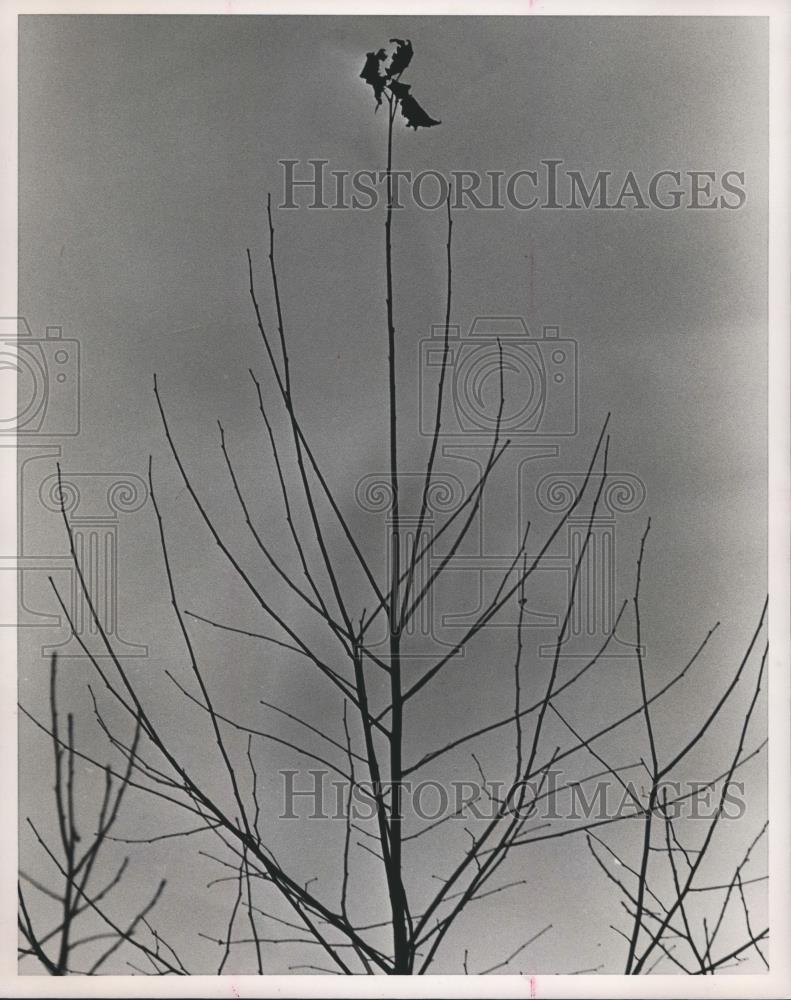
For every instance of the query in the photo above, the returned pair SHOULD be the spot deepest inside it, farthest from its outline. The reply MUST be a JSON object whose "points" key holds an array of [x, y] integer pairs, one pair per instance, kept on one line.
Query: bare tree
{"points": [[373, 694]]}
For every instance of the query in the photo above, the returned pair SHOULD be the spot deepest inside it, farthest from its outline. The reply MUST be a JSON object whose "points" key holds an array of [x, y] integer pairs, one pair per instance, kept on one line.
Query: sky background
{"points": [[147, 148]]}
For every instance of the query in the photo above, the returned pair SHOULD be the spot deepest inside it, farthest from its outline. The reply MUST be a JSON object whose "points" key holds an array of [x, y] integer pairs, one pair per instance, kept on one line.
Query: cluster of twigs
{"points": [[74, 858], [662, 928], [374, 692]]}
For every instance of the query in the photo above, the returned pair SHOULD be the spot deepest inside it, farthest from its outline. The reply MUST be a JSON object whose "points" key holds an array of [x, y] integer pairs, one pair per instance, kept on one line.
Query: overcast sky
{"points": [[147, 148]]}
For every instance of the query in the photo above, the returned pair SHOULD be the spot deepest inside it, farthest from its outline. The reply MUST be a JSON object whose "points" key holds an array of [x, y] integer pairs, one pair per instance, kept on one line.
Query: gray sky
{"points": [[147, 148]]}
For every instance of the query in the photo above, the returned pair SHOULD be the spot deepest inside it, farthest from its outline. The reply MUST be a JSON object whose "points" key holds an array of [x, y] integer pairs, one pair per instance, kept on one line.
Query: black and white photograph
{"points": [[395, 501]]}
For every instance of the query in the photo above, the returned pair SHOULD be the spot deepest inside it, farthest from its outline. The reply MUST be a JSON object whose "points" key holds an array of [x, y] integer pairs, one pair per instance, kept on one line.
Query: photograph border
{"points": [[775, 984]]}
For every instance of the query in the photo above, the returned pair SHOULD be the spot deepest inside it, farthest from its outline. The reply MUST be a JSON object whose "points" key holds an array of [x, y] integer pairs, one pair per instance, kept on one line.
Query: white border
{"points": [[776, 984]]}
